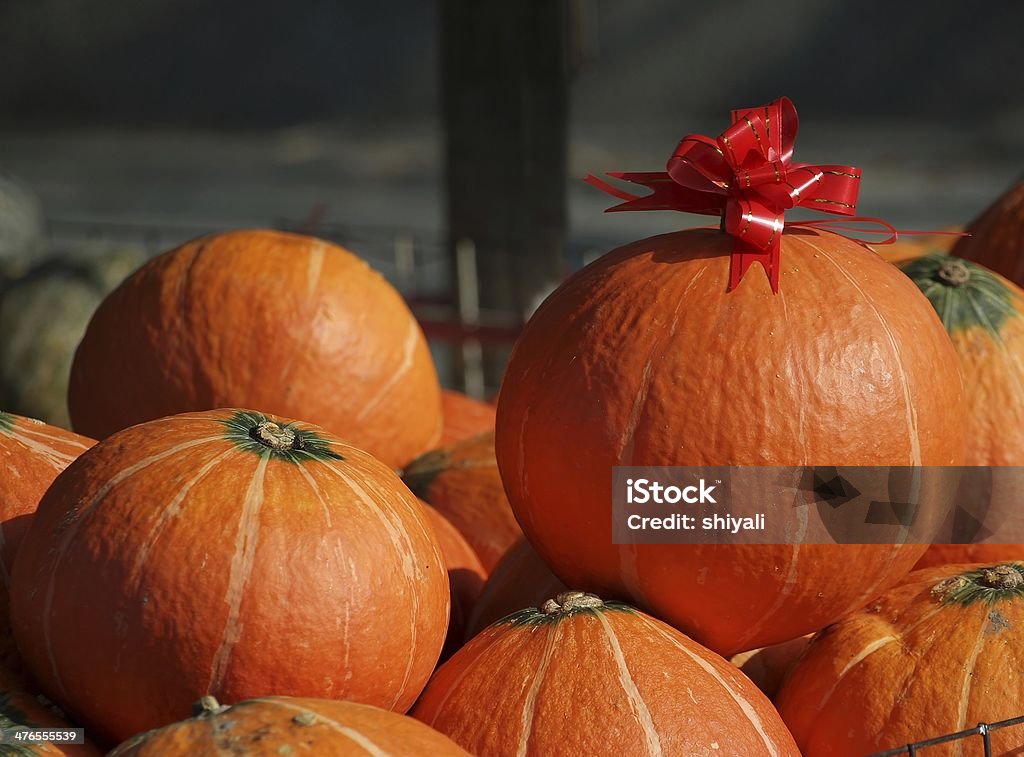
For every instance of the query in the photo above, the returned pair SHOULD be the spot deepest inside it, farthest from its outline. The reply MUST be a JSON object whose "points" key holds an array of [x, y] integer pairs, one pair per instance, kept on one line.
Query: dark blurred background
{"points": [[404, 128]]}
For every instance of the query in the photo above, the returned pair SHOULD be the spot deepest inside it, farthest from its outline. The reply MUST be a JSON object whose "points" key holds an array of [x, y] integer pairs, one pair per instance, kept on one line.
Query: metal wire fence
{"points": [[982, 731]]}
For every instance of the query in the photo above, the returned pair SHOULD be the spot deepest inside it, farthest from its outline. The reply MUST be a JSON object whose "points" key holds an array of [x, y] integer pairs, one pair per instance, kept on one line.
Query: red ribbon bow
{"points": [[747, 176]]}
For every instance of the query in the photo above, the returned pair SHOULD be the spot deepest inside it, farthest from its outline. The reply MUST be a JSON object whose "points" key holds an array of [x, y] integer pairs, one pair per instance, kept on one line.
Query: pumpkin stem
{"points": [[987, 584], [276, 437], [568, 601], [207, 706], [954, 272]]}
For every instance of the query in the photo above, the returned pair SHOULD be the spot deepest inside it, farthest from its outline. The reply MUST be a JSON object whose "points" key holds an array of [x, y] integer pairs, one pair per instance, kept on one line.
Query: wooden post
{"points": [[505, 78]]}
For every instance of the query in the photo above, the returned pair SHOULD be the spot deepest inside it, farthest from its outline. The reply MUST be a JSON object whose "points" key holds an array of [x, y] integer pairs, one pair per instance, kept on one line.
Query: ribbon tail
{"points": [[745, 255]]}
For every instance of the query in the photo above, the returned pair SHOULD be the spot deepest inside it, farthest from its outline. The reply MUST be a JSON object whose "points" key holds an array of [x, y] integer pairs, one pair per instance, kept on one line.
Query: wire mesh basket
{"points": [[968, 736]]}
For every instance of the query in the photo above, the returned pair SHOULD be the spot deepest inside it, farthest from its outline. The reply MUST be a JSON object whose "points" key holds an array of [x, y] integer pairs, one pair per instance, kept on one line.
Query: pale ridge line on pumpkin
{"points": [[172, 509], [408, 352], [633, 696], [741, 702], [870, 649], [801, 426], [59, 460], [43, 435], [530, 706], [911, 411], [316, 264], [965, 690], [318, 492], [364, 743], [240, 571], [790, 582], [72, 529], [400, 541]]}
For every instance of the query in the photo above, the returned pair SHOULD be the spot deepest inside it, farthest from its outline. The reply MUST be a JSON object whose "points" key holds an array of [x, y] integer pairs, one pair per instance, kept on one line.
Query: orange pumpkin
{"points": [[984, 316], [918, 245], [32, 453], [285, 323], [463, 417], [275, 726], [996, 238], [520, 579], [229, 553], [18, 707], [644, 358], [463, 483], [582, 676], [932, 656], [466, 577]]}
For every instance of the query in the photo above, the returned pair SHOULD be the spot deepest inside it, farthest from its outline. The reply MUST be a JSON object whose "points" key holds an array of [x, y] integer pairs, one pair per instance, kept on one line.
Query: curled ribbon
{"points": [[747, 176]]}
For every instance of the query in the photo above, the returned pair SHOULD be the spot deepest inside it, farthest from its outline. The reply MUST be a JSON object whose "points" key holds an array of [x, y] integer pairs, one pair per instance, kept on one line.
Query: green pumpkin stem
{"points": [[989, 584]]}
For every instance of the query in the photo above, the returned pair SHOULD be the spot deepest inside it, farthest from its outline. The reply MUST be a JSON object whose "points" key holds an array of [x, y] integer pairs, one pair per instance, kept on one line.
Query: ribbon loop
{"points": [[746, 175]]}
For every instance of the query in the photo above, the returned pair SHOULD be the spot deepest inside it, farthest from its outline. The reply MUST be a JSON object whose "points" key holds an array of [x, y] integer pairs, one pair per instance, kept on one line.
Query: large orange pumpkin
{"points": [[463, 417], [582, 676], [984, 316], [932, 656], [997, 236], [285, 323], [226, 553], [463, 483], [520, 579], [466, 577], [644, 358], [274, 726], [32, 453]]}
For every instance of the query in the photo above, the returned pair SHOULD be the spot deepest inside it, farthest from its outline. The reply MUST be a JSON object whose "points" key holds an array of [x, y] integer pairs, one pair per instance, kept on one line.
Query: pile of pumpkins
{"points": [[270, 516]]}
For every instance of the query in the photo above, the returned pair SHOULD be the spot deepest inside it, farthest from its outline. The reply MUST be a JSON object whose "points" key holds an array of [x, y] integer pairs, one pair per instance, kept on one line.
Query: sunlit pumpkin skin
{"points": [[284, 323], [932, 656], [984, 316], [19, 707], [520, 579], [463, 417], [227, 553], [274, 726], [996, 238], [463, 483], [644, 358], [32, 453], [582, 676], [466, 577], [767, 667]]}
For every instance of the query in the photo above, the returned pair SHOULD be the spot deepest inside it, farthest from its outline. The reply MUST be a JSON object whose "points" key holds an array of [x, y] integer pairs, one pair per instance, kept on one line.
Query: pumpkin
{"points": [[229, 553], [43, 315], [643, 358], [984, 316], [520, 579], [996, 238], [281, 322], [767, 667], [31, 455], [20, 708], [463, 483], [466, 577], [463, 417], [918, 245], [583, 676], [934, 655], [275, 726]]}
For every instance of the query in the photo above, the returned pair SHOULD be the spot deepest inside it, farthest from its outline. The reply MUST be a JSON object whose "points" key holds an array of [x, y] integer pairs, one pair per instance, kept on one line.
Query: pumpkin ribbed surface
{"points": [[227, 553], [463, 417], [581, 676], [996, 238], [282, 726], [644, 358], [935, 655], [280, 322]]}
